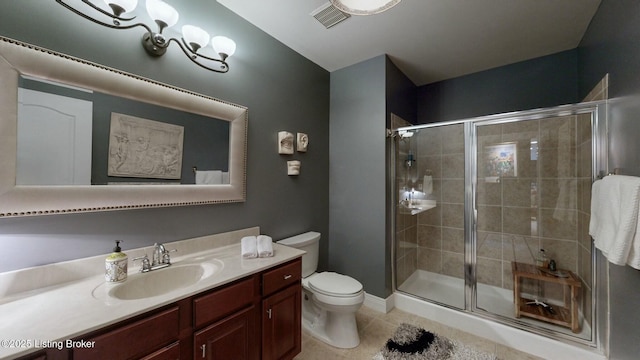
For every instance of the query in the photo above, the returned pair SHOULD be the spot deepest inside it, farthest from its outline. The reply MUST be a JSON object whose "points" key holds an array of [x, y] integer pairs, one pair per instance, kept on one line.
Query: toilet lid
{"points": [[335, 284]]}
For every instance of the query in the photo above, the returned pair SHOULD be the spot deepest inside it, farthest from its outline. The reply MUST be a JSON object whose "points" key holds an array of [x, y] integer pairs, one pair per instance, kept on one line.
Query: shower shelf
{"points": [[418, 206]]}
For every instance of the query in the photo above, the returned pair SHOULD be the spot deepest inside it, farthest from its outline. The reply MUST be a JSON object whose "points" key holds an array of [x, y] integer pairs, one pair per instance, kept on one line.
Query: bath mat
{"points": [[410, 342]]}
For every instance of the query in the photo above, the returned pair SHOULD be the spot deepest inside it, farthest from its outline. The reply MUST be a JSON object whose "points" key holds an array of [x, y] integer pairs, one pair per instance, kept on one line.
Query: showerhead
{"points": [[404, 134]]}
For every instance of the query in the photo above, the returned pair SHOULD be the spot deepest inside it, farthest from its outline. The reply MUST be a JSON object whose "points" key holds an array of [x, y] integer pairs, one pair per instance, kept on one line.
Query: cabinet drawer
{"points": [[171, 352], [132, 341], [281, 277], [220, 303]]}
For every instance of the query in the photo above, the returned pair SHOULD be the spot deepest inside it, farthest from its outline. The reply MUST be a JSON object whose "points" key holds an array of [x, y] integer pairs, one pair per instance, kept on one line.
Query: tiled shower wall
{"points": [[540, 207], [440, 244]]}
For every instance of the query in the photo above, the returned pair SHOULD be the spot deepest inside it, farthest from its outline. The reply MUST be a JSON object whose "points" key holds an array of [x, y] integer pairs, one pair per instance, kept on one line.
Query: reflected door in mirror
{"points": [[54, 139]]}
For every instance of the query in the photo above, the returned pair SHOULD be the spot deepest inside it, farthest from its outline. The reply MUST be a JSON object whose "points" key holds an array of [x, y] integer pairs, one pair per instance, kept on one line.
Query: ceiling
{"points": [[429, 40]]}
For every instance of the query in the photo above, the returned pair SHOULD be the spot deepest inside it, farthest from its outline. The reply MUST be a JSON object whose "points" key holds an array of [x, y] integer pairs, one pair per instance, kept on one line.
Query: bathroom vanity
{"points": [[225, 323], [247, 309]]}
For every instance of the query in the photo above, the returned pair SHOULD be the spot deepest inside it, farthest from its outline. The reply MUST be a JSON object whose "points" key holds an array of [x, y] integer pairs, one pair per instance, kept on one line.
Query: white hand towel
{"points": [[249, 247], [265, 246], [208, 177], [615, 224]]}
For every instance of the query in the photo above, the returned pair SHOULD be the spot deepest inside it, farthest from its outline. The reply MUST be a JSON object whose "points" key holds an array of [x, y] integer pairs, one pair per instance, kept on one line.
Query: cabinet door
{"points": [[235, 337], [281, 324]]}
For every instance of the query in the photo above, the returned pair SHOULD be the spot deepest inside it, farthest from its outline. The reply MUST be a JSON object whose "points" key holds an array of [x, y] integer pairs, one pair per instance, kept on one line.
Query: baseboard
{"points": [[379, 304]]}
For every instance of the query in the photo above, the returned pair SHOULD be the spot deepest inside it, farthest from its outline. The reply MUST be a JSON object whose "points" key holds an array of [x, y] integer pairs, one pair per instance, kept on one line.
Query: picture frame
{"points": [[500, 160]]}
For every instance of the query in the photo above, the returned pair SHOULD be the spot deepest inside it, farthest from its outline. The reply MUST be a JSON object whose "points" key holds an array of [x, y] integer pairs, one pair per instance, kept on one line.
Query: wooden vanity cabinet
{"points": [[226, 322], [256, 317], [281, 312]]}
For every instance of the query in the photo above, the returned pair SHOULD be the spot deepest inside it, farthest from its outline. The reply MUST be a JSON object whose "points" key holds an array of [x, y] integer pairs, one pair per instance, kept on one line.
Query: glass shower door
{"points": [[533, 182], [430, 238]]}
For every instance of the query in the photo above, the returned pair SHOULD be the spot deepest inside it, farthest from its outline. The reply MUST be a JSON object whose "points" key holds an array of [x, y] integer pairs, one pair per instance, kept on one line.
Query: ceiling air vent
{"points": [[328, 15]]}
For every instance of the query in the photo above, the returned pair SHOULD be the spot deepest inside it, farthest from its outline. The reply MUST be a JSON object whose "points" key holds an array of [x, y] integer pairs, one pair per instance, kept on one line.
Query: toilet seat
{"points": [[334, 284]]}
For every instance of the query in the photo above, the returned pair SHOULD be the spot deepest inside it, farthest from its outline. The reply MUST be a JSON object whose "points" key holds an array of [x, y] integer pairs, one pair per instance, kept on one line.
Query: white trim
{"points": [[379, 304]]}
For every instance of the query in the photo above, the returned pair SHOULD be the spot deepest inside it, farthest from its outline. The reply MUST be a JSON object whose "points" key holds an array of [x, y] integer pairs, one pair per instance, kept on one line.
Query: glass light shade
{"points": [[223, 45], [161, 11], [195, 35], [364, 7], [126, 5]]}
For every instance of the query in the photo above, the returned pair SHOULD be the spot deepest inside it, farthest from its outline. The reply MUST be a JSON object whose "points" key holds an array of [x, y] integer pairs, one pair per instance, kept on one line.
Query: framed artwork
{"points": [[500, 160], [144, 148]]}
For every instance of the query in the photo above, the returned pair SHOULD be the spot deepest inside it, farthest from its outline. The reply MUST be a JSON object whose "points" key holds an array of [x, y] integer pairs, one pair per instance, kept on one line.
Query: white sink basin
{"points": [[159, 282]]}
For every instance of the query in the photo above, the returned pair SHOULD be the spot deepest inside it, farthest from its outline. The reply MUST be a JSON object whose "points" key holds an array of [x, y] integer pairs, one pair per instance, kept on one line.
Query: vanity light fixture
{"points": [[155, 43], [364, 7]]}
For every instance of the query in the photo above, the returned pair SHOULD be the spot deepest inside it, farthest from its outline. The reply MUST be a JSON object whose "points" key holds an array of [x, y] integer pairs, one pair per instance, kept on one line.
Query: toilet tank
{"points": [[309, 242]]}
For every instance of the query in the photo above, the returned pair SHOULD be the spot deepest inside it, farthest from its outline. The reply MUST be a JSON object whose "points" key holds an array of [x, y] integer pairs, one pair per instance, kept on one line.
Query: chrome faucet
{"points": [[158, 254], [146, 265], [161, 259]]}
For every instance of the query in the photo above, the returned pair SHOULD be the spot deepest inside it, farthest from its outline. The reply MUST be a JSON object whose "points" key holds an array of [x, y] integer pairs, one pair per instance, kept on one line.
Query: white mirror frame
{"points": [[18, 58]]}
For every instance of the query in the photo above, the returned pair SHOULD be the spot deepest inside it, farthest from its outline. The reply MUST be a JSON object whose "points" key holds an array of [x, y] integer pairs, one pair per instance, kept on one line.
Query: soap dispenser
{"points": [[116, 265]]}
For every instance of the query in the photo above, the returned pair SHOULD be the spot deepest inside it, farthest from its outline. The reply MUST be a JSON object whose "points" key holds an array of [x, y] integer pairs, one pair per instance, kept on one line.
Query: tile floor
{"points": [[375, 328]]}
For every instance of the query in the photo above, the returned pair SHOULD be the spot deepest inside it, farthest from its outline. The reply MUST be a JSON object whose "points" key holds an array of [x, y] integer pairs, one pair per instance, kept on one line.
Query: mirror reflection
{"points": [[74, 136]]}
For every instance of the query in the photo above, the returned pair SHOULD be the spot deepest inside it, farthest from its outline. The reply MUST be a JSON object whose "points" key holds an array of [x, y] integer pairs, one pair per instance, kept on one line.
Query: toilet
{"points": [[329, 300]]}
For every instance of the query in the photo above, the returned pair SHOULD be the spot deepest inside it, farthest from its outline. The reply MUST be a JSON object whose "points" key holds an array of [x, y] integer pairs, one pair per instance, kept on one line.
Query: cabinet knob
{"points": [[204, 350], [269, 313], [288, 276]]}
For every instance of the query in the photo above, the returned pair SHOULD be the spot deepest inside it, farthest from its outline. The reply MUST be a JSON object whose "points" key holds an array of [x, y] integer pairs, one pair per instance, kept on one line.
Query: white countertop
{"points": [[64, 311]]}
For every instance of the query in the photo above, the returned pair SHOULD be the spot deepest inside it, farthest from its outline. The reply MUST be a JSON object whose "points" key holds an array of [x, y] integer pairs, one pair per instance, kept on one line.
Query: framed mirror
{"points": [[121, 172]]}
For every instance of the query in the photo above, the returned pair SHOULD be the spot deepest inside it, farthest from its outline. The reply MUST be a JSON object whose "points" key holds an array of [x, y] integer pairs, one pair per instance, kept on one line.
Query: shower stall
{"points": [[480, 200]]}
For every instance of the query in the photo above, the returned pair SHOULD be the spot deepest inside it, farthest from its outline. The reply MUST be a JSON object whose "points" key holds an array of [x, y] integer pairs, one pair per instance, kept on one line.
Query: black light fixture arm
{"points": [[155, 43], [194, 56], [116, 19]]}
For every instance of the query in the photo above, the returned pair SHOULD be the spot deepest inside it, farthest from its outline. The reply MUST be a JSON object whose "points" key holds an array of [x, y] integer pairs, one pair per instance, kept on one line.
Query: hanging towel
{"points": [[427, 184], [265, 246], [209, 177], [249, 247], [614, 225]]}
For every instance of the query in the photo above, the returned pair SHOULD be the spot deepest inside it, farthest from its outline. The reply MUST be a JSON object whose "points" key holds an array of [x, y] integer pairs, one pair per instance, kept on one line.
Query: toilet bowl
{"points": [[330, 300]]}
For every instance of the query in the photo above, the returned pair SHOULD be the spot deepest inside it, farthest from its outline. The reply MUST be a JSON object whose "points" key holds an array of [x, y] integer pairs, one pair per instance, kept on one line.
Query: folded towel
{"points": [[265, 246], [249, 247], [209, 177], [615, 224]]}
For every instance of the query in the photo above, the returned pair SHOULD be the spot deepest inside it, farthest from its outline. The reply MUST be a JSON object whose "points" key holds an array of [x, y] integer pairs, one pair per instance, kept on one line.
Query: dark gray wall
{"points": [[282, 90], [542, 82], [357, 241], [611, 45], [402, 95]]}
